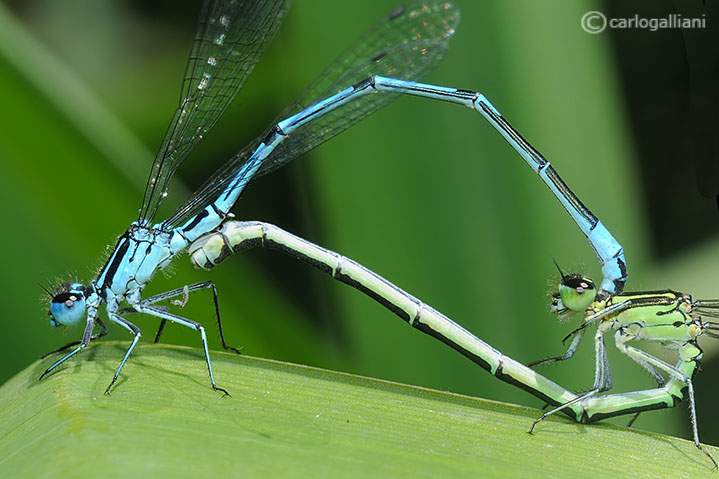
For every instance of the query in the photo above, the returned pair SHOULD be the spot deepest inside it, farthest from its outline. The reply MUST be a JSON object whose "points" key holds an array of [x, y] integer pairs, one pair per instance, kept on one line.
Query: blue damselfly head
{"points": [[67, 306]]}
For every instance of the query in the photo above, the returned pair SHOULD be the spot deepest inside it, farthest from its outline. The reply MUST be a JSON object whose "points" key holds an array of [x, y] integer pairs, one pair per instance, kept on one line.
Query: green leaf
{"points": [[286, 420]]}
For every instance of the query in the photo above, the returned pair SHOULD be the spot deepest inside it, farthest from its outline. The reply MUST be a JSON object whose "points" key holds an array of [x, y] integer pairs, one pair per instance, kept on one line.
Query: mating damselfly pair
{"points": [[404, 46]]}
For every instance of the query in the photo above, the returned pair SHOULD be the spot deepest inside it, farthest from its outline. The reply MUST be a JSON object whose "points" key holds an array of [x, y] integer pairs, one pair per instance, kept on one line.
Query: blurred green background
{"points": [[425, 194]]}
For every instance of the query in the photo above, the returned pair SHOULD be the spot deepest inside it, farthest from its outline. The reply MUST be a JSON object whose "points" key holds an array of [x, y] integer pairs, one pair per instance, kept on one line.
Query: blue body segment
{"points": [[213, 214], [605, 246]]}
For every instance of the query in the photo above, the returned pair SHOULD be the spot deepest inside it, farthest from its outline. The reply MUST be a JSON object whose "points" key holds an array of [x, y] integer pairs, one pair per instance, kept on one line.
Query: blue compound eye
{"points": [[67, 308]]}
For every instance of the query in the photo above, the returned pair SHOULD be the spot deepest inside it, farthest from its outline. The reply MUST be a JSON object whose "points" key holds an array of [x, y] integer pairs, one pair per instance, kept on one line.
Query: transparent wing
{"points": [[231, 35], [407, 44]]}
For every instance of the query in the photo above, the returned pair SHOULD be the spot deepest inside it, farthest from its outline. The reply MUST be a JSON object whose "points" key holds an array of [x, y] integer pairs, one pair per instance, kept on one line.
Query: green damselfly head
{"points": [[67, 306], [575, 294]]}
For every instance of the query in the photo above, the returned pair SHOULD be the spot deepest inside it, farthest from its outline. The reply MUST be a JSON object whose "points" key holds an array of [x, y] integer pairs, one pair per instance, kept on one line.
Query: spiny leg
{"points": [[652, 372], [86, 338], [693, 420], [568, 355], [643, 358], [114, 317], [184, 292], [160, 313], [602, 378], [160, 329], [579, 331], [660, 382], [103, 332]]}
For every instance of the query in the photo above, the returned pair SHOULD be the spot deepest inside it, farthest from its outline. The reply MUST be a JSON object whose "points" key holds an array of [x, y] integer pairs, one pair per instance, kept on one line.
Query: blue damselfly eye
{"points": [[67, 306]]}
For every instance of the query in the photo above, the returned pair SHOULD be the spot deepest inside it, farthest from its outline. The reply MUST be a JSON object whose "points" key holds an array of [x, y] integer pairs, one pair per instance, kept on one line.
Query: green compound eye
{"points": [[577, 292]]}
